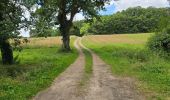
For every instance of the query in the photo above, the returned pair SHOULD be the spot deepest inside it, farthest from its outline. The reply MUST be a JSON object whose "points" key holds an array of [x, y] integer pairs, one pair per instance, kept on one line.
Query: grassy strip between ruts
{"points": [[88, 67], [131, 60], [36, 71]]}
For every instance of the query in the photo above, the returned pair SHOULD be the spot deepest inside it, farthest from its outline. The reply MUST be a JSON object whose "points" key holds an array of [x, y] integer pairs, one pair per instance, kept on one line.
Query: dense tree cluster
{"points": [[132, 20]]}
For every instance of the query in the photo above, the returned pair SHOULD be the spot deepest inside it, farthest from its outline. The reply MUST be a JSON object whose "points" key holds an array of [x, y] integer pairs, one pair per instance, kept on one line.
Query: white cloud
{"points": [[24, 33], [79, 16], [124, 4]]}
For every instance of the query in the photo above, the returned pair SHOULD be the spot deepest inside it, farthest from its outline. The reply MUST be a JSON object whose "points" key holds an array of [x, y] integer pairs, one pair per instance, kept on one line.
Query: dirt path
{"points": [[65, 86], [102, 85]]}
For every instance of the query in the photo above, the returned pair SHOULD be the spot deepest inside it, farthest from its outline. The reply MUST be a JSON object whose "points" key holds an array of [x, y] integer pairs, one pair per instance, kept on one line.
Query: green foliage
{"points": [[75, 31], [160, 41], [44, 33], [88, 70], [132, 20], [10, 20], [164, 23], [85, 28], [79, 23], [77, 26], [42, 24], [88, 61]]}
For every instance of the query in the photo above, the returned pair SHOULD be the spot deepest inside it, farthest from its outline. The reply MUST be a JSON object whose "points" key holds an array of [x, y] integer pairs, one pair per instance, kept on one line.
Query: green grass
{"points": [[37, 69], [88, 69], [88, 62], [127, 60]]}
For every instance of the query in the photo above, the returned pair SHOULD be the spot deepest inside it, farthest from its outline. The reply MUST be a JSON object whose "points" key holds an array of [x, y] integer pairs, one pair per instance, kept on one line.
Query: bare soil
{"points": [[104, 86], [101, 86]]}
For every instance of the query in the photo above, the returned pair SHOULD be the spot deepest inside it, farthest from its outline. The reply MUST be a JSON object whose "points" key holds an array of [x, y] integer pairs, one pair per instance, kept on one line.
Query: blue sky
{"points": [[109, 10], [120, 5]]}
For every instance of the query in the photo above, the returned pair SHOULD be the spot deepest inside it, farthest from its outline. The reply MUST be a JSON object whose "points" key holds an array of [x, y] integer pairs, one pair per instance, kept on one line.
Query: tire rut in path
{"points": [[65, 85], [104, 86]]}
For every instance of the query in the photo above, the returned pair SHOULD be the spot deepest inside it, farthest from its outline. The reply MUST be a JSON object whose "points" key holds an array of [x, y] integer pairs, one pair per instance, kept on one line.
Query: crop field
{"points": [[120, 38], [128, 56], [38, 64], [43, 42]]}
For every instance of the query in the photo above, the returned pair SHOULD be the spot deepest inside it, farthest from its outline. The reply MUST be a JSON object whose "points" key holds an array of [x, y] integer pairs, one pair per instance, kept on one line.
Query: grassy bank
{"points": [[129, 57], [38, 67]]}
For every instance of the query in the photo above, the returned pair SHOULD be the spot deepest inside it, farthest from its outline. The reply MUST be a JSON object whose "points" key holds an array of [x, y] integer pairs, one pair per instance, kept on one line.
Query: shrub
{"points": [[160, 42], [84, 29]]}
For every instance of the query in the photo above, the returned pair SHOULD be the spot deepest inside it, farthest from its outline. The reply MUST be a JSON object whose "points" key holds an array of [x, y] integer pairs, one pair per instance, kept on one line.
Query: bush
{"points": [[84, 29], [160, 42]]}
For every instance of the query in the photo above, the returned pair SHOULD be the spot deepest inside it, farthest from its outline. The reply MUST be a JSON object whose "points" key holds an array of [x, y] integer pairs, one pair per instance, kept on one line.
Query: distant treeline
{"points": [[132, 20]]}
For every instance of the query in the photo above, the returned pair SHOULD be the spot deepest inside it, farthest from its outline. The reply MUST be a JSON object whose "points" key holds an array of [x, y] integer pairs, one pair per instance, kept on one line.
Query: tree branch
{"points": [[74, 9]]}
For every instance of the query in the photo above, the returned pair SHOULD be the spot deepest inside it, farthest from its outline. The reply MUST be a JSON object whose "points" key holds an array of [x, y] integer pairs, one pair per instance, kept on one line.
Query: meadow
{"points": [[38, 64], [128, 56]]}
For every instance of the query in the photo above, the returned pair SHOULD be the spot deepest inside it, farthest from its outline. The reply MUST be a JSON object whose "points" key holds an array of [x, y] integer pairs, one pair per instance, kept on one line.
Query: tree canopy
{"points": [[10, 19], [132, 20]]}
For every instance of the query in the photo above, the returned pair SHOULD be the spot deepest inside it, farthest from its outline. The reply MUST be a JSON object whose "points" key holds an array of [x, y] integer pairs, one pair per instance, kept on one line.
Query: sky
{"points": [[119, 5]]}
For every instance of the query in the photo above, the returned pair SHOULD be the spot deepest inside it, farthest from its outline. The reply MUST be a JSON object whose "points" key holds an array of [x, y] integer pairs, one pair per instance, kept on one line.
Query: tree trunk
{"points": [[7, 53], [66, 42], [64, 29]]}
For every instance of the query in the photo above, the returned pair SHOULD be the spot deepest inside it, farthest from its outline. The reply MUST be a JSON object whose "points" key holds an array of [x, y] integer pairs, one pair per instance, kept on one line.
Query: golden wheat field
{"points": [[45, 42], [119, 38], [42, 42], [49, 41]]}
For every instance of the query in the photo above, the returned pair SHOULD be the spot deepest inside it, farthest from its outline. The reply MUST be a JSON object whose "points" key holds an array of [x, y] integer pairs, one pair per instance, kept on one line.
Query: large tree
{"points": [[10, 19], [62, 13]]}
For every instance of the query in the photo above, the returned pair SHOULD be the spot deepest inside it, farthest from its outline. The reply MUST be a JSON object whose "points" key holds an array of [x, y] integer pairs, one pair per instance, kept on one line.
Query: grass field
{"points": [[40, 62], [129, 57]]}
